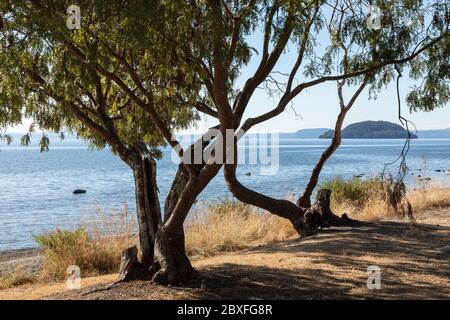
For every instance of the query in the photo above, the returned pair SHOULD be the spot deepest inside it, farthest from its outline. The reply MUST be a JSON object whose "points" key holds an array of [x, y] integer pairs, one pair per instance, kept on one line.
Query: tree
{"points": [[125, 43], [403, 42], [87, 82]]}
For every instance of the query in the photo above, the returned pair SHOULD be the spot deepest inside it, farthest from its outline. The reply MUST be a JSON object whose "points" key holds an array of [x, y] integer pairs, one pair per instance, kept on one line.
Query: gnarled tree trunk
{"points": [[320, 214], [147, 205], [173, 265], [163, 242], [162, 255]]}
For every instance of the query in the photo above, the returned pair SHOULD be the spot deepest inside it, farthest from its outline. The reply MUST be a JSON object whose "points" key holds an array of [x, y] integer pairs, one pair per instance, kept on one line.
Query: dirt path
{"points": [[414, 262]]}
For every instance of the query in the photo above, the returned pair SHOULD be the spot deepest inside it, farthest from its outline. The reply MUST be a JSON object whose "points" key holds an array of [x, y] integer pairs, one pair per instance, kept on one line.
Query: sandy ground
{"points": [[414, 261]]}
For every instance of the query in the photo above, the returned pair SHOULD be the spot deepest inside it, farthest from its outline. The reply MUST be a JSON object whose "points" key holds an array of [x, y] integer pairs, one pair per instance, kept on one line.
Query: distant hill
{"points": [[304, 133], [434, 134], [371, 130]]}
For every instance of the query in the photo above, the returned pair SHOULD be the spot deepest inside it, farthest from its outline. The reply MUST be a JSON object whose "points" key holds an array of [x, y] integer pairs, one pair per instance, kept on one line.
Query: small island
{"points": [[371, 130]]}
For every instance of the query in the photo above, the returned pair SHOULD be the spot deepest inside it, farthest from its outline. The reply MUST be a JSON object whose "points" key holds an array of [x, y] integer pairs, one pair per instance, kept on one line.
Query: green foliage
{"points": [[226, 206], [133, 60], [44, 143], [157, 51], [61, 240], [42, 78], [6, 138], [25, 140], [355, 191], [63, 248]]}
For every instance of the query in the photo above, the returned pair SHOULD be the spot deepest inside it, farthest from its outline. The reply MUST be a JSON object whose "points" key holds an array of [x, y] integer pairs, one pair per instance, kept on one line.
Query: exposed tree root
{"points": [[319, 215], [130, 269]]}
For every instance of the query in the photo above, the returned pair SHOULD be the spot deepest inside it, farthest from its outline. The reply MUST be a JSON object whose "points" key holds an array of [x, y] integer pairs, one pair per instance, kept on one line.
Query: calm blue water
{"points": [[36, 188]]}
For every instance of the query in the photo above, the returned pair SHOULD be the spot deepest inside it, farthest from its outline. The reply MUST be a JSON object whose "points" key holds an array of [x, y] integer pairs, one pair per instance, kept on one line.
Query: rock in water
{"points": [[79, 191]]}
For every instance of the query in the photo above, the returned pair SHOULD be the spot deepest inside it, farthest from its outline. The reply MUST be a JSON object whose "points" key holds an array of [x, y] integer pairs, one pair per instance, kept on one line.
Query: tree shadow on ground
{"points": [[414, 260]]}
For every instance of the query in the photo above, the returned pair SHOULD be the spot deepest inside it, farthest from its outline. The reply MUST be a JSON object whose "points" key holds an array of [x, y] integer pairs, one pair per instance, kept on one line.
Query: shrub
{"points": [[62, 248], [356, 192], [370, 199]]}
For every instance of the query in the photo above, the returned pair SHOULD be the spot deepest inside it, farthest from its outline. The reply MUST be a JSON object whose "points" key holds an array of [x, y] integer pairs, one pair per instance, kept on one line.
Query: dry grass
{"points": [[376, 208], [39, 290], [330, 265], [95, 247], [424, 199], [17, 278], [214, 229], [231, 226]]}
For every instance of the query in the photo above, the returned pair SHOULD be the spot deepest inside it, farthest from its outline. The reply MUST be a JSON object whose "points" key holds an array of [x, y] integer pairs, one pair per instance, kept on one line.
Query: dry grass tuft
{"points": [[367, 200], [424, 199], [372, 210], [95, 248], [17, 278], [230, 226]]}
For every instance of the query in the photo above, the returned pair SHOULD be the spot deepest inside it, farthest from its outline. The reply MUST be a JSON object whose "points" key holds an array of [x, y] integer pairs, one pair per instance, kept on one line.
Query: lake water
{"points": [[36, 188]]}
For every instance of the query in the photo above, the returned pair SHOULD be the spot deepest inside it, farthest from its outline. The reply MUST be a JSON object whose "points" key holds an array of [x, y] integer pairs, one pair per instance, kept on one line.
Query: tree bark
{"points": [[305, 199], [320, 214], [163, 251], [179, 183], [173, 265], [281, 208], [147, 205], [162, 242], [130, 266]]}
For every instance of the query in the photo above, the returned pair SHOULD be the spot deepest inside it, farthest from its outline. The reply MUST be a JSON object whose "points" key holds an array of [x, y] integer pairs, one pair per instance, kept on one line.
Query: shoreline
{"points": [[7, 255], [407, 253], [30, 260]]}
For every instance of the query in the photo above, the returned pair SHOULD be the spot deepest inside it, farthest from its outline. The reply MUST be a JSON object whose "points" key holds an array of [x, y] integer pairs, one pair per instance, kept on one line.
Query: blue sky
{"points": [[318, 106]]}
